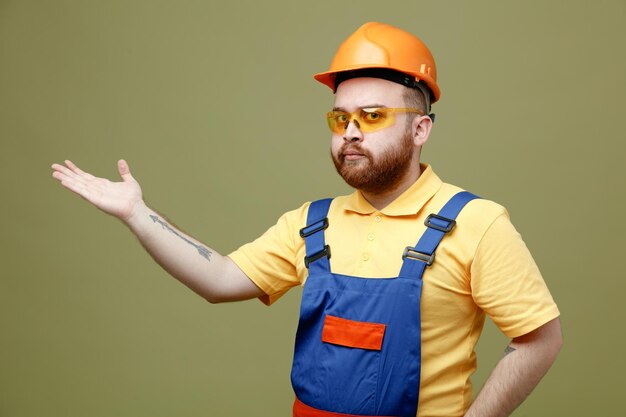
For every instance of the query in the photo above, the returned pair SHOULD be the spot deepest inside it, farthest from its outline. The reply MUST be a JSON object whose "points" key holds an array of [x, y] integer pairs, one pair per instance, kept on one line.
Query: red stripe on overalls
{"points": [[300, 409]]}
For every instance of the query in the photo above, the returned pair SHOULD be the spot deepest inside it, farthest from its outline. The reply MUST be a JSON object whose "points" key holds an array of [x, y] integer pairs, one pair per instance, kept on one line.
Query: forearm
{"points": [[197, 266], [211, 275], [525, 362]]}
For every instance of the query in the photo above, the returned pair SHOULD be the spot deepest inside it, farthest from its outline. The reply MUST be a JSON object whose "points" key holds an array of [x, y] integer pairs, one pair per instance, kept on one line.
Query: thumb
{"points": [[124, 170]]}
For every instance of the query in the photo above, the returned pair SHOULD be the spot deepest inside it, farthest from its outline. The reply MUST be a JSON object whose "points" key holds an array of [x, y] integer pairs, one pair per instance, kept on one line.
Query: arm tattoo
{"points": [[508, 350], [201, 249]]}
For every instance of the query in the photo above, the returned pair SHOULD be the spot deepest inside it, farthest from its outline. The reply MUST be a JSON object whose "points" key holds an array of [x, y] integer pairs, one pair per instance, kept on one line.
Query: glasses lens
{"points": [[338, 121], [375, 119]]}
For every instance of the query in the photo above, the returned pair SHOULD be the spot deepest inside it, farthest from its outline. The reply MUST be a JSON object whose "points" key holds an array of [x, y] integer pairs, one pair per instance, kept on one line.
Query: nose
{"points": [[353, 132]]}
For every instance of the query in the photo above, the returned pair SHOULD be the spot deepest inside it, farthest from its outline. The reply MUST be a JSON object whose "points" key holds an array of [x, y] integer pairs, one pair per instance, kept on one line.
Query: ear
{"points": [[420, 128]]}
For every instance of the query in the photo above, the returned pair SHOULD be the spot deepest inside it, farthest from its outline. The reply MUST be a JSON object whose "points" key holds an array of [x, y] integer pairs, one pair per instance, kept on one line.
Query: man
{"points": [[386, 328]]}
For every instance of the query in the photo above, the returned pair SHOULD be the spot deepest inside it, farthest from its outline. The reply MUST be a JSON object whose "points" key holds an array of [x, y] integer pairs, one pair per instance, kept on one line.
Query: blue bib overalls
{"points": [[358, 344]]}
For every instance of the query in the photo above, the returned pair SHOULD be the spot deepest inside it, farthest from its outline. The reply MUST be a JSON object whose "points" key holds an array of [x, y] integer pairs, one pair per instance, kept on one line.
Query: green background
{"points": [[213, 105]]}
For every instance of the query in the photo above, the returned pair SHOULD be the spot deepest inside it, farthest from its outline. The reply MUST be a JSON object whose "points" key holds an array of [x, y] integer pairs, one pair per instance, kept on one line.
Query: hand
{"points": [[120, 199]]}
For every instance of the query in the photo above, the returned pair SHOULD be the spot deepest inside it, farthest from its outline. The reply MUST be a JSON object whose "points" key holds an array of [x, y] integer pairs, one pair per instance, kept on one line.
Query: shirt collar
{"points": [[409, 202]]}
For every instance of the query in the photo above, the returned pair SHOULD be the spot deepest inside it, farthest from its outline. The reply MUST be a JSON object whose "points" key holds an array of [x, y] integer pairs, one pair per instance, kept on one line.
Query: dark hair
{"points": [[414, 96]]}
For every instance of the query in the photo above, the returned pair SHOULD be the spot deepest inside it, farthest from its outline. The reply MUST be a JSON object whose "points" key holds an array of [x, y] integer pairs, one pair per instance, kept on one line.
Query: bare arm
{"points": [[525, 362], [211, 275]]}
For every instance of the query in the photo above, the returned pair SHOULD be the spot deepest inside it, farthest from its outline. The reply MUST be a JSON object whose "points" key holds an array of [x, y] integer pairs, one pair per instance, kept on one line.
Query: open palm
{"points": [[116, 198]]}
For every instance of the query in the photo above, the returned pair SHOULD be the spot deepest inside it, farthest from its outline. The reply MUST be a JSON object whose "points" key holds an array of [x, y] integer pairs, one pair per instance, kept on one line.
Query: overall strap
{"points": [[416, 259], [317, 251]]}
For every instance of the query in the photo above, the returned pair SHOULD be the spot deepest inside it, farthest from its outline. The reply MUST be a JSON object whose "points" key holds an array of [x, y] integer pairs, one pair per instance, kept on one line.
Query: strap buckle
{"points": [[314, 228], [317, 255], [411, 253], [449, 223]]}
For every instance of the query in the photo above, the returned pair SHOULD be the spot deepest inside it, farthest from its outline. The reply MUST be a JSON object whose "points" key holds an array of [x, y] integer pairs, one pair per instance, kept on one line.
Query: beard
{"points": [[375, 175]]}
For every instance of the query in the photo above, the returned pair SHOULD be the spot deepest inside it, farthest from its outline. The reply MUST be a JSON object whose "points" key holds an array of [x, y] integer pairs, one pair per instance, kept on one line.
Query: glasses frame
{"points": [[358, 118]]}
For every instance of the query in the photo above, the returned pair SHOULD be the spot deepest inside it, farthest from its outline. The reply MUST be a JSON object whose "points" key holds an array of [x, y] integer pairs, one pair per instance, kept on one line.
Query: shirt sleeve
{"points": [[506, 282], [271, 261]]}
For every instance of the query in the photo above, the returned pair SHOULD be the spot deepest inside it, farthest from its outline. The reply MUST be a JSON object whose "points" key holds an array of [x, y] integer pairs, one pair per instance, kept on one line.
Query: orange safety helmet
{"points": [[379, 46]]}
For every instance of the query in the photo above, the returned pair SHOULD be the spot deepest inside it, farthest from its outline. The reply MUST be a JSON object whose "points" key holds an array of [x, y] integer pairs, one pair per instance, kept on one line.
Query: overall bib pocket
{"points": [[354, 334]]}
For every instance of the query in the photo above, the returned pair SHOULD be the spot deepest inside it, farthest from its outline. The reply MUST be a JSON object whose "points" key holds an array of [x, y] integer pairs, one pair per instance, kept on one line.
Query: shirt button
{"points": [[366, 256], [377, 219], [371, 236]]}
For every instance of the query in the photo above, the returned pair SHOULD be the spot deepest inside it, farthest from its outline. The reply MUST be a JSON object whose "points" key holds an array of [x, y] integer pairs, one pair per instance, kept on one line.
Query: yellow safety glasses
{"points": [[366, 119]]}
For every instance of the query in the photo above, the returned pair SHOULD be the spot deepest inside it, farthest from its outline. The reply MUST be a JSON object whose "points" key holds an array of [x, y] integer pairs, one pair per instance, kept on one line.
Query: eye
{"points": [[341, 117], [372, 116]]}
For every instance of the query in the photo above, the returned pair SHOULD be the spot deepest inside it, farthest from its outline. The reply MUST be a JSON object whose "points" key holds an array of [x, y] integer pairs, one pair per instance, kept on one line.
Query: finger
{"points": [[124, 170], [77, 170], [58, 175], [62, 173], [55, 168], [64, 170]]}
